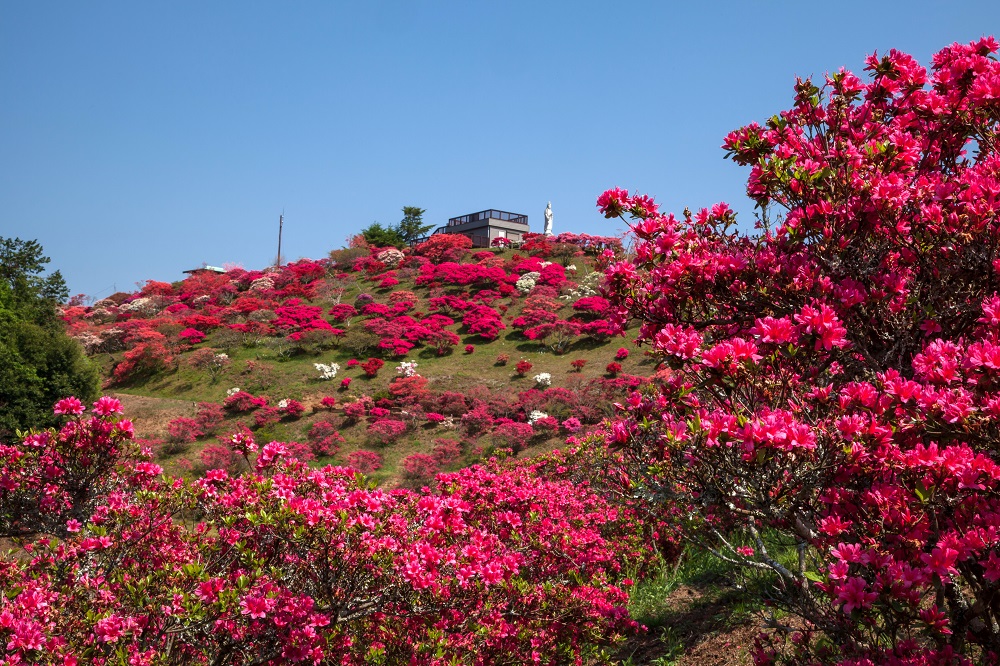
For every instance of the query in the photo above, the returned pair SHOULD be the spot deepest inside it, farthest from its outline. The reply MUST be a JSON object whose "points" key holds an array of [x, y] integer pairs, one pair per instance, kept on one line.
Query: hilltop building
{"points": [[205, 269], [484, 226]]}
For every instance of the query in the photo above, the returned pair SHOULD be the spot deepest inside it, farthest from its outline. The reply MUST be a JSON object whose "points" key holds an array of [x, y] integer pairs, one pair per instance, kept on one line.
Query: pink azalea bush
{"points": [[830, 382], [295, 563]]}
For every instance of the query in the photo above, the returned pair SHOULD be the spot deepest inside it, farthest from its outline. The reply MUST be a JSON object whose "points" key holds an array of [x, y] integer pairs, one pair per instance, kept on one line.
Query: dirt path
{"points": [[151, 415]]}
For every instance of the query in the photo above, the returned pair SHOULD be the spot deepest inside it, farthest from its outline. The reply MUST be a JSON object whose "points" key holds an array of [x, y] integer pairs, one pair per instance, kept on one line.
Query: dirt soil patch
{"points": [[699, 630], [151, 415]]}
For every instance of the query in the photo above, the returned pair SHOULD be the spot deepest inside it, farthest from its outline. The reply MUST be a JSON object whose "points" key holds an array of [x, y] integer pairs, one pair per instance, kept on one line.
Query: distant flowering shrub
{"points": [[242, 402], [345, 383], [572, 424], [365, 462], [327, 371], [536, 415], [407, 369], [372, 366], [621, 354], [419, 466], [522, 367], [578, 364], [328, 402], [527, 282], [192, 336], [469, 349], [386, 431], [502, 359], [291, 409], [543, 379], [390, 257], [613, 368], [183, 429]]}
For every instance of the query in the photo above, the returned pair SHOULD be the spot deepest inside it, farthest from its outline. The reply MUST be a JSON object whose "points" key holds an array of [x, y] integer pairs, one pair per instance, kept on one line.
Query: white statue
{"points": [[548, 219]]}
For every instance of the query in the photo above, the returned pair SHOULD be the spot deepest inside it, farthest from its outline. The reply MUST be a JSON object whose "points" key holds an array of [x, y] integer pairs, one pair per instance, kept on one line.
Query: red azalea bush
{"points": [[522, 367], [386, 431], [478, 565], [832, 380], [182, 430], [502, 359], [365, 462], [578, 364], [469, 349], [291, 409], [242, 402], [191, 336], [372, 366], [419, 467], [621, 354]]}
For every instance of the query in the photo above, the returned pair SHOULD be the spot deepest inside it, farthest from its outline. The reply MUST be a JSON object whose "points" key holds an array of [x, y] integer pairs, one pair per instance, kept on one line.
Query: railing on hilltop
{"points": [[491, 214]]}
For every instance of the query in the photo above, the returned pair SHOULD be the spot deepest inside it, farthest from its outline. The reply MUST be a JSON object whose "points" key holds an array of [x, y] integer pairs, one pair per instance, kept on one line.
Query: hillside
{"points": [[512, 350]]}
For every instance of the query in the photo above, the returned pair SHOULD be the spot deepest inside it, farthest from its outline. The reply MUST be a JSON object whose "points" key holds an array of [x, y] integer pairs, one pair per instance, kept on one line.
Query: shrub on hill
{"points": [[477, 565]]}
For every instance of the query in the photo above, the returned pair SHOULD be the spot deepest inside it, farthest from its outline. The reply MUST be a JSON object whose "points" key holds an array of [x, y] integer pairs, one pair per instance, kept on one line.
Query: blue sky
{"points": [[139, 139]]}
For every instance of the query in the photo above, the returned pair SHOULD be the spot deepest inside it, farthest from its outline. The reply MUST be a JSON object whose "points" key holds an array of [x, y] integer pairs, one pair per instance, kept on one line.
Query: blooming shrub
{"points": [[242, 402], [365, 462], [503, 359], [407, 369], [572, 425], [444, 559], [345, 383], [419, 467], [613, 368], [183, 429], [621, 354], [328, 401], [291, 409], [191, 336], [327, 371], [469, 349], [578, 364], [522, 367], [386, 431], [831, 380], [372, 366], [446, 451], [543, 379], [511, 435]]}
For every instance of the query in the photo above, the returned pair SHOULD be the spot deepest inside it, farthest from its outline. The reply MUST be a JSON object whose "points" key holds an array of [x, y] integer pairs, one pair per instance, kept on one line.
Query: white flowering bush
{"points": [[543, 379], [283, 403], [535, 416], [233, 391], [391, 257], [262, 284], [571, 267], [327, 371], [527, 282], [590, 285], [407, 369]]}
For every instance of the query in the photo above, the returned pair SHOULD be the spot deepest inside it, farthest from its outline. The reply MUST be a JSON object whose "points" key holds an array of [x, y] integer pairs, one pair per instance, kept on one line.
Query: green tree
{"points": [[379, 236], [39, 363], [412, 226]]}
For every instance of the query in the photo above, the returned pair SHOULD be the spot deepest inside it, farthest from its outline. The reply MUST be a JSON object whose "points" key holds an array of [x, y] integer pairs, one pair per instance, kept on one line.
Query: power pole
{"points": [[281, 223]]}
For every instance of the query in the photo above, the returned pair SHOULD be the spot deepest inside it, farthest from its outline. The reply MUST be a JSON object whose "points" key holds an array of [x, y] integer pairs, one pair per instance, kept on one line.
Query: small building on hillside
{"points": [[205, 269], [485, 226]]}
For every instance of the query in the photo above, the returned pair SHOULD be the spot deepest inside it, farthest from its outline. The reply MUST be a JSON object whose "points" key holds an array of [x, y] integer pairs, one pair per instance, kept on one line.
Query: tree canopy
{"points": [[39, 363]]}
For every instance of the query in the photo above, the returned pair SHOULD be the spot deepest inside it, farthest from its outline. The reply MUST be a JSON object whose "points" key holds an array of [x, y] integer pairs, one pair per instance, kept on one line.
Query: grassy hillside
{"points": [[192, 342]]}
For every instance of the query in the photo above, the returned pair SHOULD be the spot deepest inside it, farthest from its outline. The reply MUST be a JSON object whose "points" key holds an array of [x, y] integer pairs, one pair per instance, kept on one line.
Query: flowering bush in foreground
{"points": [[831, 383], [297, 564]]}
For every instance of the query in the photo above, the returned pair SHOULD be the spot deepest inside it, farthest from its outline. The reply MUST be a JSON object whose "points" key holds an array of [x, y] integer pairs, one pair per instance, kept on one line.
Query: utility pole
{"points": [[281, 223]]}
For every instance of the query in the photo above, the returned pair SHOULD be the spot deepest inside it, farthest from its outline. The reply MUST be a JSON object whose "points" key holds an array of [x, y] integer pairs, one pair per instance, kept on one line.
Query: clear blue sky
{"points": [[138, 139]]}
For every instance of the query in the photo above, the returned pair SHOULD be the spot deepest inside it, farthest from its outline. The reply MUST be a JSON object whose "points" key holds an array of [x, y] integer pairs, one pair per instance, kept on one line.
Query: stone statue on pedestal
{"points": [[548, 220]]}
